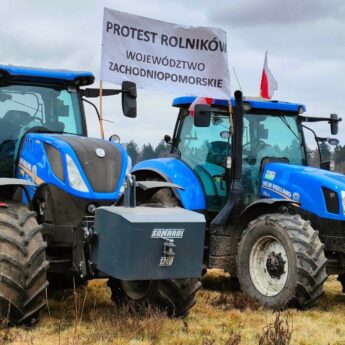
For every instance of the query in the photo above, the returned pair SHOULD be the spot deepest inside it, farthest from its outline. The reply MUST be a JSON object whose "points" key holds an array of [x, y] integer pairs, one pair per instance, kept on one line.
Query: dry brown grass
{"points": [[219, 318]]}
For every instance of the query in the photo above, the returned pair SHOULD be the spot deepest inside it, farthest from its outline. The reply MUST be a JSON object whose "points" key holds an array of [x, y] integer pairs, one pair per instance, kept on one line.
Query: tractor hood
{"points": [[318, 191], [84, 167]]}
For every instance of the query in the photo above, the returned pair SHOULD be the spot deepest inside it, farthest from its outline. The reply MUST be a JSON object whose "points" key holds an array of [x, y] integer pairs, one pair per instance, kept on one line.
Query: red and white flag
{"points": [[199, 100], [268, 83]]}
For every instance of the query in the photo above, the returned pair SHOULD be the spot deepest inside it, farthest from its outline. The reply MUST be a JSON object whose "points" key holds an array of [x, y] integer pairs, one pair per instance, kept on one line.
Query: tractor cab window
{"points": [[268, 135], [205, 149], [24, 108]]}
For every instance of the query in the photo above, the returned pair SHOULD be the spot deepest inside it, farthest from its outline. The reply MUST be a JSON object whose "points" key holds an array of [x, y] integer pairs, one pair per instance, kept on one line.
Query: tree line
{"points": [[336, 153], [147, 151]]}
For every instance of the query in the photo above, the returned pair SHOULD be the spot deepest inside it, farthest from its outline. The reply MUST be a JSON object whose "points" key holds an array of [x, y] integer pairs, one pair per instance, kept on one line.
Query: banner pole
{"points": [[101, 108], [231, 114]]}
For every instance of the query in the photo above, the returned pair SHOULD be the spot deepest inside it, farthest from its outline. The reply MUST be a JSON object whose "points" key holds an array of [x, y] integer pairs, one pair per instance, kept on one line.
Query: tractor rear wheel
{"points": [[281, 261], [174, 297], [23, 266]]}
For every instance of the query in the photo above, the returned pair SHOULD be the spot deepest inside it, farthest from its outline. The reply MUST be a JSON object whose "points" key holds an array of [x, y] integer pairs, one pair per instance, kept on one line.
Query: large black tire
{"points": [[281, 261], [22, 265], [174, 297], [165, 197]]}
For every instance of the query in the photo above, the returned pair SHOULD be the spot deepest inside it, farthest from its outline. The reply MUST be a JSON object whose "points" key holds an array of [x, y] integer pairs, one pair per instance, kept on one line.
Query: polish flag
{"points": [[268, 83], [199, 100]]}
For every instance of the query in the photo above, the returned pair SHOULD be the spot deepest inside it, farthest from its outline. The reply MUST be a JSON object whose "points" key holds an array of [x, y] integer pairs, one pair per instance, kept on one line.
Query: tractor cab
{"points": [[42, 107], [270, 130], [34, 100]]}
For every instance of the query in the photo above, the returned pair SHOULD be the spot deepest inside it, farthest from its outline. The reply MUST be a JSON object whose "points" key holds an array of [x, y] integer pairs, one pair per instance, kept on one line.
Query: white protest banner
{"points": [[165, 57]]}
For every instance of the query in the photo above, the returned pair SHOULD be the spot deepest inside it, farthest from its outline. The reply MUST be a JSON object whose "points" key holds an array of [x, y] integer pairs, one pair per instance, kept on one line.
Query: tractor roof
{"points": [[255, 103], [40, 75]]}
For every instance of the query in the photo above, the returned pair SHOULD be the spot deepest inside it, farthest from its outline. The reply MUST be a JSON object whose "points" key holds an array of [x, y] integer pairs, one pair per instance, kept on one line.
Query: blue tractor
{"points": [[276, 224], [67, 204]]}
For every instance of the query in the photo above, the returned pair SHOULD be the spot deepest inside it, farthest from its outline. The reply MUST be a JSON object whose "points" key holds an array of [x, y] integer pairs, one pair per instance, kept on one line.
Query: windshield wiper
{"points": [[282, 117]]}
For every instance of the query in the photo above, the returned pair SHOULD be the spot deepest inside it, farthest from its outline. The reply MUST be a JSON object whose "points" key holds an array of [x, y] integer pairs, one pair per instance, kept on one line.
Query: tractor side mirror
{"points": [[202, 115], [333, 141], [167, 139], [334, 124], [129, 99], [115, 139], [225, 134], [327, 165]]}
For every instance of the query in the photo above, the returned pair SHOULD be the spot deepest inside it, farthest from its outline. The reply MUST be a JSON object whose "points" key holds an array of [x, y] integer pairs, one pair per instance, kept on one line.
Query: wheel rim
{"points": [[268, 266], [136, 289]]}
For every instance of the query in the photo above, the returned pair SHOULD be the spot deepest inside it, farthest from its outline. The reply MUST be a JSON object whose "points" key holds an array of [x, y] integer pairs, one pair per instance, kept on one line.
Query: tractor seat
{"points": [[17, 117]]}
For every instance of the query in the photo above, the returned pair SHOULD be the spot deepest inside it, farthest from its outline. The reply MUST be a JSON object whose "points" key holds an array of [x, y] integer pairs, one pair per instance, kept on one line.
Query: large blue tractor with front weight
{"points": [[67, 205], [274, 223]]}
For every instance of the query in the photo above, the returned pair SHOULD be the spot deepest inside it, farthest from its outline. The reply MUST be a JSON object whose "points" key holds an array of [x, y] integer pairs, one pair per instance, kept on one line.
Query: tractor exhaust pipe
{"points": [[223, 241]]}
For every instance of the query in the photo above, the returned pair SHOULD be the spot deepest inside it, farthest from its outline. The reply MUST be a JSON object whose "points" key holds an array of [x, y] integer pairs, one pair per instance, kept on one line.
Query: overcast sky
{"points": [[304, 39]]}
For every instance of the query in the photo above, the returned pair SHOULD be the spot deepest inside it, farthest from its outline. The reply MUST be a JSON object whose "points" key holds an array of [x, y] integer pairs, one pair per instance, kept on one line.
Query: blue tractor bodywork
{"points": [[35, 165], [317, 191], [255, 104], [30, 74], [175, 171]]}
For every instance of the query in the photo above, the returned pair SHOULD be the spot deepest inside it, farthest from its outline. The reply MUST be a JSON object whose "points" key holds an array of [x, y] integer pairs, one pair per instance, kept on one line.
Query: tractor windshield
{"points": [[205, 149], [24, 107]]}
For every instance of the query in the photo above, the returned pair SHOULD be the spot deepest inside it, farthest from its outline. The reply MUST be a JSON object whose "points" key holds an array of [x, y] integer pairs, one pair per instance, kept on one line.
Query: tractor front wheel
{"points": [[281, 261], [23, 266], [174, 297]]}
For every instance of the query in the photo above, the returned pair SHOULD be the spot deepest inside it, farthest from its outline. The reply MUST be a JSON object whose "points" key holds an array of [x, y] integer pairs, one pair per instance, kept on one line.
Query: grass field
{"points": [[88, 317]]}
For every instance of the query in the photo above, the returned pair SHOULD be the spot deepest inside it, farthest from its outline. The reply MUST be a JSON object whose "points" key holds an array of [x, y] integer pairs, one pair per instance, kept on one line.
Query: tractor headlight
{"points": [[74, 177], [343, 200]]}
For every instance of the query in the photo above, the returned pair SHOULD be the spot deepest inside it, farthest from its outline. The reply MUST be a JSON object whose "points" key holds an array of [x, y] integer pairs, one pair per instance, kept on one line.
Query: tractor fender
{"points": [[190, 194], [225, 239], [262, 206], [8, 187]]}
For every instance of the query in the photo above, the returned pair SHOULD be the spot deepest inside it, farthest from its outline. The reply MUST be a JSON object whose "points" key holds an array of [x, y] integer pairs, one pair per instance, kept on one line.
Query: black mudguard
{"points": [[10, 186], [263, 206]]}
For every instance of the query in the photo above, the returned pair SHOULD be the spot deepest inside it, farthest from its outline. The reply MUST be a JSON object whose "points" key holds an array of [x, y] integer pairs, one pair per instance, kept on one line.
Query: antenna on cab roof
{"points": [[238, 82]]}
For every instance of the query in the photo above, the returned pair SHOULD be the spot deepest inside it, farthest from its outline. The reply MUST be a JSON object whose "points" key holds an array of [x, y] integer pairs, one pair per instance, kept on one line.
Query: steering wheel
{"points": [[217, 153], [259, 145]]}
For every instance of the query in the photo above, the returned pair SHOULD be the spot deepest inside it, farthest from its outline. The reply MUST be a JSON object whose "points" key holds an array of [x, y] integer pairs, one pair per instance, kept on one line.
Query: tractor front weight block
{"points": [[148, 243]]}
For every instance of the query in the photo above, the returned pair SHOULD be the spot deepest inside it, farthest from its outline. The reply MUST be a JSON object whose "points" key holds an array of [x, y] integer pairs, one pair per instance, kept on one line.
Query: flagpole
{"points": [[101, 108]]}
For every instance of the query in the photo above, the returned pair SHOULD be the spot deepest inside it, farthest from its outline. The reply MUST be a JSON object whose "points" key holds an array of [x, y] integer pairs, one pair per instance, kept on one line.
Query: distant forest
{"points": [[147, 151], [335, 153]]}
